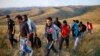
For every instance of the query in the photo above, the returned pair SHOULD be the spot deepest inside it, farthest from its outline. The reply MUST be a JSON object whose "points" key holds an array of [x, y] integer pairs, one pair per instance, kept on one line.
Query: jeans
{"points": [[57, 35], [24, 48], [76, 41], [81, 35], [24, 53]]}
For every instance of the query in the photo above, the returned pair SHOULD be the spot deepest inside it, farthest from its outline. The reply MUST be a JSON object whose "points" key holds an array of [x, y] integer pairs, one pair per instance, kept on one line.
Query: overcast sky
{"points": [[46, 3]]}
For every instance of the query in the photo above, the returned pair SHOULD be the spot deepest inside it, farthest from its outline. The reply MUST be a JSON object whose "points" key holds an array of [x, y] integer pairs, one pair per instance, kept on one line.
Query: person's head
{"points": [[87, 22], [7, 17], [81, 22], [74, 21], [19, 18], [25, 18], [77, 21], [64, 22], [56, 19], [49, 21]]}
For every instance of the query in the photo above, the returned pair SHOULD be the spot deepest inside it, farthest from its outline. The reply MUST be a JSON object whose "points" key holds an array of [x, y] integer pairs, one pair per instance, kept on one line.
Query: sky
{"points": [[45, 3]]}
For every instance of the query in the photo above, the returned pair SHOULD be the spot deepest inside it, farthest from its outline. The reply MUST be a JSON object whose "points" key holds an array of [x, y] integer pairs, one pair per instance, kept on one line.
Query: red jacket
{"points": [[89, 26], [65, 30]]}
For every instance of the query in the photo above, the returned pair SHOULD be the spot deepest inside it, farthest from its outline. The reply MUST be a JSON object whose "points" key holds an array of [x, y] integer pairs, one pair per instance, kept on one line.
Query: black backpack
{"points": [[83, 28], [37, 42]]}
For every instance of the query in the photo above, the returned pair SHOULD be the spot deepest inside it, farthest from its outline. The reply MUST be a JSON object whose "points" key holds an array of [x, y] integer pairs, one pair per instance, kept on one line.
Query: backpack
{"points": [[37, 42], [83, 28]]}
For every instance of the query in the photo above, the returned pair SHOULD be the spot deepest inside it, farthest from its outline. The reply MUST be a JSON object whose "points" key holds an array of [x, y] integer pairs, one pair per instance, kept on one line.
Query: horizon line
{"points": [[48, 6]]}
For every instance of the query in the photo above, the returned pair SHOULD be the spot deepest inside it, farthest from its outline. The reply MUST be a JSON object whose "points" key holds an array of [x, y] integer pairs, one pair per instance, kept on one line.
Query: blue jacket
{"points": [[75, 28]]}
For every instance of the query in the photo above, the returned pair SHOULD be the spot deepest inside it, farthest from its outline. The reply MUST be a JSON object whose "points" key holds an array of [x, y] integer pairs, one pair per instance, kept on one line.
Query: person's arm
{"points": [[13, 28], [13, 32], [60, 24], [57, 28], [27, 29], [92, 26], [72, 27], [28, 35], [35, 33], [19, 34], [34, 28], [69, 29], [45, 31]]}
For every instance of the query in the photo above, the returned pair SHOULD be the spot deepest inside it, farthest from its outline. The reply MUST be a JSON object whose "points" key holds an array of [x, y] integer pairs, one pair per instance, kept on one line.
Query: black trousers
{"points": [[62, 40], [12, 40], [50, 45]]}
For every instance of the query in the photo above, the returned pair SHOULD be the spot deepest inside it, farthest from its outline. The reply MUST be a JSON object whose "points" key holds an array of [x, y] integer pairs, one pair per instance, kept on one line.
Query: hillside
{"points": [[38, 14], [90, 16], [5, 11]]}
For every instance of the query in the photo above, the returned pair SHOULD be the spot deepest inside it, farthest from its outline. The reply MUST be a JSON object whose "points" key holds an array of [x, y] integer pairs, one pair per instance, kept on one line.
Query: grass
{"points": [[88, 47]]}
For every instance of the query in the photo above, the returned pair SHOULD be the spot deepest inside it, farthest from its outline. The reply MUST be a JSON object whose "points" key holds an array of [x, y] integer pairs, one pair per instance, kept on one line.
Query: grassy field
{"points": [[90, 45]]}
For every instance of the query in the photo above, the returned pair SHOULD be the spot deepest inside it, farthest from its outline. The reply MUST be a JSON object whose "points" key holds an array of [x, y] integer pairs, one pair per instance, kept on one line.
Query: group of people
{"points": [[26, 33], [55, 31]]}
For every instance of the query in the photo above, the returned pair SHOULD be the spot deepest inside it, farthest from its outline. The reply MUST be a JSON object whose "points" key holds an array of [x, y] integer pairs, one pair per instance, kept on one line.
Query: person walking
{"points": [[82, 29], [32, 28], [76, 32], [51, 34], [89, 27], [11, 30], [25, 44], [65, 32]]}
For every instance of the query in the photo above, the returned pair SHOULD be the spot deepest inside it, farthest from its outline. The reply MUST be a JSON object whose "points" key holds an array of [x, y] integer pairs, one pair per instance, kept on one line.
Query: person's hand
{"points": [[35, 34], [64, 36], [12, 32], [28, 43], [18, 39], [28, 36]]}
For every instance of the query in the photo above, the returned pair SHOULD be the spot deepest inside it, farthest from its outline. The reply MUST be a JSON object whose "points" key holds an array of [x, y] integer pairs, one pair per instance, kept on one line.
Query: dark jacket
{"points": [[24, 29], [11, 24]]}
